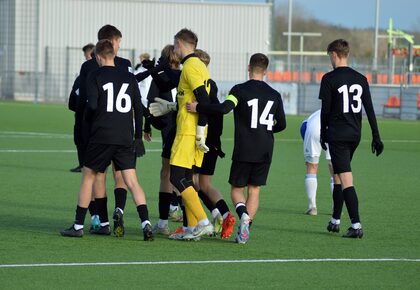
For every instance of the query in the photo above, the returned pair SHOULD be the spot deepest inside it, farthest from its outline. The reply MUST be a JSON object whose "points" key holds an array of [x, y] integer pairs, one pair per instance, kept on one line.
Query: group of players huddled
{"points": [[183, 105]]}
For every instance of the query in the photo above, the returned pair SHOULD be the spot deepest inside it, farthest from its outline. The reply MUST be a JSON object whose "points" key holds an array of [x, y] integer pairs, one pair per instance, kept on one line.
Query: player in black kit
{"points": [[343, 92], [112, 99], [258, 113], [100, 201]]}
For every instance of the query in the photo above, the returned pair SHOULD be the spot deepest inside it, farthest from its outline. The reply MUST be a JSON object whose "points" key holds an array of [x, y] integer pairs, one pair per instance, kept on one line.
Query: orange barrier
{"points": [[393, 102]]}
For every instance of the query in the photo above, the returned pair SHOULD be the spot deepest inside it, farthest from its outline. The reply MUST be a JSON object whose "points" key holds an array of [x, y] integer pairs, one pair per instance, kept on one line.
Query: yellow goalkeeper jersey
{"points": [[194, 74]]}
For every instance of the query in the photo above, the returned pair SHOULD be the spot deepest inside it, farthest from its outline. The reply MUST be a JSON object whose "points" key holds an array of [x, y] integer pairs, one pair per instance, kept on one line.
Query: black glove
{"points": [[148, 64], [163, 63], [138, 147], [377, 146]]}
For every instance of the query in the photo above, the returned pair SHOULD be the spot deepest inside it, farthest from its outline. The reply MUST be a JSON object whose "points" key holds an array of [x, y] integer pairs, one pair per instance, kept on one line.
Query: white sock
{"points": [[162, 223], [143, 224], [311, 185], [204, 222], [77, 227], [215, 213], [334, 221], [356, 226], [173, 207], [105, 224]]}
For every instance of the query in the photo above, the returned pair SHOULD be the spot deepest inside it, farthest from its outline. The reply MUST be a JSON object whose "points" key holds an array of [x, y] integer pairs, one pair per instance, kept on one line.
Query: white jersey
{"points": [[311, 142], [144, 86]]}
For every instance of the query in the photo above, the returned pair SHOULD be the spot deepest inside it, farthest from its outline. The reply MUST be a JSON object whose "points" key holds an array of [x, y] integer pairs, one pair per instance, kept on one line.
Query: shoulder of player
{"points": [[88, 66]]}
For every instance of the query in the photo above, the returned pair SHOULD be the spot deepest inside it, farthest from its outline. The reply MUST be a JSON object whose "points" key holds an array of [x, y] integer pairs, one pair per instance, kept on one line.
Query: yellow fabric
{"points": [[191, 201], [191, 220], [194, 74], [184, 153], [233, 99]]}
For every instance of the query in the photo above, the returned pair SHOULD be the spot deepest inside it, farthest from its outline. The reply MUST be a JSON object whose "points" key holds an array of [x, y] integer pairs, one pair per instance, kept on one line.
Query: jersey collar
{"points": [[187, 57]]}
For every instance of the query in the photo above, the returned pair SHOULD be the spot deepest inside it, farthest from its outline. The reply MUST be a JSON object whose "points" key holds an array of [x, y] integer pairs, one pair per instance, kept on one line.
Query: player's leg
{"points": [[139, 197], [101, 205], [165, 197], [311, 185], [120, 194], [85, 196], [181, 178], [253, 200]]}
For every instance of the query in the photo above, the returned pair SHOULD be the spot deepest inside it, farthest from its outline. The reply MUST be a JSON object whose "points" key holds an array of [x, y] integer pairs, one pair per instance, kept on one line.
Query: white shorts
{"points": [[312, 147]]}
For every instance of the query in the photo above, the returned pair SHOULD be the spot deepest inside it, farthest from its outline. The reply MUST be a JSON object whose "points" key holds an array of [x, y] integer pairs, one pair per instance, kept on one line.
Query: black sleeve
{"points": [[202, 98], [222, 108], [280, 117], [82, 89], [74, 97], [92, 94], [138, 111], [167, 80], [143, 75], [147, 122], [367, 104], [325, 96]]}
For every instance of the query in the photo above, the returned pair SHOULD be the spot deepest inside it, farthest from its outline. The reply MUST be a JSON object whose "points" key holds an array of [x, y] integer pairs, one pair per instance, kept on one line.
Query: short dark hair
{"points": [[339, 46], [258, 62], [104, 48], [188, 36], [109, 32], [88, 47]]}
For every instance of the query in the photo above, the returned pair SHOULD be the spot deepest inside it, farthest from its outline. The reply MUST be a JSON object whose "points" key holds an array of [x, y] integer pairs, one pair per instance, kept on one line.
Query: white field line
{"points": [[324, 260], [53, 151], [16, 134]]}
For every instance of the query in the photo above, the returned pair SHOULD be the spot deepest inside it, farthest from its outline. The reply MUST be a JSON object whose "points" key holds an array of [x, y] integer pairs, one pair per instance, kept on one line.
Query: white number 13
{"points": [[357, 90]]}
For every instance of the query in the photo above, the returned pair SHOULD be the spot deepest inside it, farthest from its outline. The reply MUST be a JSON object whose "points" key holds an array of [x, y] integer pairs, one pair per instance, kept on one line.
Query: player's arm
{"points": [[211, 109], [82, 88], [325, 95], [138, 120], [74, 96], [377, 145], [165, 82], [92, 94], [279, 117]]}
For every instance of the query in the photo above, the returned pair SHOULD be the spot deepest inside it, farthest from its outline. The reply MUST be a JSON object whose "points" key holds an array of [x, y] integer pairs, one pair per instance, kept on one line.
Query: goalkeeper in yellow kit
{"points": [[189, 146]]}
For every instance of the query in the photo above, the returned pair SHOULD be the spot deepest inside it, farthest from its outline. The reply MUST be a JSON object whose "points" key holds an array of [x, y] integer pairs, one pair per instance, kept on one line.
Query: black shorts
{"points": [[168, 137], [244, 173], [209, 163], [341, 155], [99, 156]]}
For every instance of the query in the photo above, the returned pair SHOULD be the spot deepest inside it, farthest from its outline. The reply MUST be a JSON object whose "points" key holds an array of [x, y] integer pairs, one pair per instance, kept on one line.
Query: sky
{"points": [[357, 13]]}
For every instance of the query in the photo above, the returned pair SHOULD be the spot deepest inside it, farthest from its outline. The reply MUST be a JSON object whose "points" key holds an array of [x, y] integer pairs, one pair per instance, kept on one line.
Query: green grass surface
{"points": [[39, 195]]}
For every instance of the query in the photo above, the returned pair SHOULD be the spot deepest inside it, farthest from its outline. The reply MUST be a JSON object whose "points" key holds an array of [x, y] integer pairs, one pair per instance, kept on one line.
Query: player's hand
{"points": [[161, 107], [139, 147], [147, 136], [377, 146], [163, 63], [200, 139], [192, 107], [148, 64]]}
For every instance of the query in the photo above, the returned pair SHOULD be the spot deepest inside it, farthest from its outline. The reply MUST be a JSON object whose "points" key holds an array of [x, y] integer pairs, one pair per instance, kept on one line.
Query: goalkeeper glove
{"points": [[200, 139], [138, 147], [148, 64], [377, 146], [161, 107], [323, 140]]}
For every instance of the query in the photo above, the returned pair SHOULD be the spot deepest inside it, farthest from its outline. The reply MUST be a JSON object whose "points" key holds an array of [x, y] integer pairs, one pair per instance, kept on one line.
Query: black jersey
{"points": [[113, 97], [88, 67], [258, 112], [343, 91]]}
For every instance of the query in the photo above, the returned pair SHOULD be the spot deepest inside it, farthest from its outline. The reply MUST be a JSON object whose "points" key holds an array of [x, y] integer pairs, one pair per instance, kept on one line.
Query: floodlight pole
{"points": [[375, 56], [289, 35]]}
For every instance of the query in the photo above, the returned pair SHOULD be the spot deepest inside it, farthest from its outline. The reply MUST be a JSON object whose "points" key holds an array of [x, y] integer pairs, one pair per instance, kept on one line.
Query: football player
{"points": [[343, 92], [258, 113], [310, 131], [112, 99]]}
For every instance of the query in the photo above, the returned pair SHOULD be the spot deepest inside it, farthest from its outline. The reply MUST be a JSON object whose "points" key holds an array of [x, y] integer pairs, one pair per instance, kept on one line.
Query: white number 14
{"points": [[265, 119]]}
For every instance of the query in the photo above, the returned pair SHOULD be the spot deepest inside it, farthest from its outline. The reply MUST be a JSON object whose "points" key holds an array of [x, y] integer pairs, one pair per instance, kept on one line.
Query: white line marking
{"points": [[53, 151], [211, 262]]}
